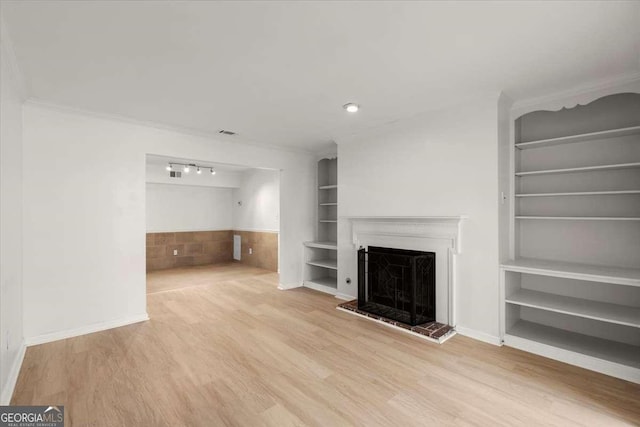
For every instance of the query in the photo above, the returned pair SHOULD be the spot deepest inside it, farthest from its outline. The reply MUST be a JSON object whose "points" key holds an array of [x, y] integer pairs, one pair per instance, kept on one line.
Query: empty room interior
{"points": [[322, 213]]}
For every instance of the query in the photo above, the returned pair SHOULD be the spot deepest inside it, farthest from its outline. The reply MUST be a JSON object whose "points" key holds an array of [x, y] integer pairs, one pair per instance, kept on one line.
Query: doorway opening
{"points": [[208, 221]]}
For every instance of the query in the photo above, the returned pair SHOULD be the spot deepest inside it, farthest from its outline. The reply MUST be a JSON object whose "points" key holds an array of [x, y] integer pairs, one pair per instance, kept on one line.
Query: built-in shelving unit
{"points": [[572, 288], [321, 254]]}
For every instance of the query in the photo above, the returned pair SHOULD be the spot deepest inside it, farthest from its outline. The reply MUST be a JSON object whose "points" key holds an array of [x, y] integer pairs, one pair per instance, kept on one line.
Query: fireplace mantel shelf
{"points": [[447, 227]]}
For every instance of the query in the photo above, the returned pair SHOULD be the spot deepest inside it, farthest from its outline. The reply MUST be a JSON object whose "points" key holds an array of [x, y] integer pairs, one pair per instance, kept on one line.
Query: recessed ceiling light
{"points": [[351, 107]]}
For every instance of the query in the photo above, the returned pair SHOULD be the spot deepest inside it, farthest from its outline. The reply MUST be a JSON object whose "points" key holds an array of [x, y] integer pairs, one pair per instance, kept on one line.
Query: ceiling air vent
{"points": [[226, 132], [175, 174]]}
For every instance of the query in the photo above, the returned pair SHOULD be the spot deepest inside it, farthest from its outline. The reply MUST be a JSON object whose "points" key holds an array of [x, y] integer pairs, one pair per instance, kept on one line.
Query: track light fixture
{"points": [[186, 167]]}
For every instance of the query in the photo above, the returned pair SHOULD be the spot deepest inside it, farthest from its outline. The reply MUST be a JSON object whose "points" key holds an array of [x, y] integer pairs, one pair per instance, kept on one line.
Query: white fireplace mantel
{"points": [[439, 234], [444, 227]]}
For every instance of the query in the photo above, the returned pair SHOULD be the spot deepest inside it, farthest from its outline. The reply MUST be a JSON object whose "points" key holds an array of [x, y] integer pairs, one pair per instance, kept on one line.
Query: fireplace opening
{"points": [[397, 284]]}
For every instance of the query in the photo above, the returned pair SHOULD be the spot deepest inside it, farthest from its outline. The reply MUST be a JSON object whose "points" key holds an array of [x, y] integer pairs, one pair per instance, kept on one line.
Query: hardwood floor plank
{"points": [[225, 347]]}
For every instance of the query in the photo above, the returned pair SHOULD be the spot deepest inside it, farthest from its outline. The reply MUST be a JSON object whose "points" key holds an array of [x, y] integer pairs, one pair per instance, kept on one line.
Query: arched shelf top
{"points": [[591, 103], [608, 116], [575, 98]]}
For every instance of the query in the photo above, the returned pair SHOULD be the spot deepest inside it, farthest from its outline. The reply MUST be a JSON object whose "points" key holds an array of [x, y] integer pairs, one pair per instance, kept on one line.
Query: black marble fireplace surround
{"points": [[397, 284]]}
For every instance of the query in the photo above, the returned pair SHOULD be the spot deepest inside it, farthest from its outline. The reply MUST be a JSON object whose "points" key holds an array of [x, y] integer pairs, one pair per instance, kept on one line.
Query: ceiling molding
{"points": [[579, 94], [6, 47], [161, 126]]}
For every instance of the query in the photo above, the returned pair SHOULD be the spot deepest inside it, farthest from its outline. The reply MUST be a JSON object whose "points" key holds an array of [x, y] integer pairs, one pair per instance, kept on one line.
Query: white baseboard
{"points": [[345, 297], [479, 335], [89, 329], [7, 391], [284, 287]]}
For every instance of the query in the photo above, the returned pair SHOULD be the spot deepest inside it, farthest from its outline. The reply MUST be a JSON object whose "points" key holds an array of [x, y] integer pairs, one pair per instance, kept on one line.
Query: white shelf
{"points": [[581, 169], [325, 263], [322, 245], [612, 133], [327, 187], [329, 220], [598, 348], [581, 218], [328, 204], [327, 285], [605, 312], [570, 270], [581, 193]]}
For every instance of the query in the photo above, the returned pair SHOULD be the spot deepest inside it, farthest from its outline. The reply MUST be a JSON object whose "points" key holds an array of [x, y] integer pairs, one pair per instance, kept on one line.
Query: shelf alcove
{"points": [[571, 290]]}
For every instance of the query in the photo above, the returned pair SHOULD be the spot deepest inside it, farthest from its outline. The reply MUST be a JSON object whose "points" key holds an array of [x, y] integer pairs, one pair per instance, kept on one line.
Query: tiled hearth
{"points": [[432, 331]]}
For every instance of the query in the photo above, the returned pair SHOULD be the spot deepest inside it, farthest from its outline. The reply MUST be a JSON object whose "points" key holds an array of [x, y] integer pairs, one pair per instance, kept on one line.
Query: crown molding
{"points": [[7, 51], [578, 95], [41, 103]]}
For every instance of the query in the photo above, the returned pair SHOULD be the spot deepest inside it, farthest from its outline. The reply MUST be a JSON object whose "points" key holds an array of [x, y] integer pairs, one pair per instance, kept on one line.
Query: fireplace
{"points": [[397, 284]]}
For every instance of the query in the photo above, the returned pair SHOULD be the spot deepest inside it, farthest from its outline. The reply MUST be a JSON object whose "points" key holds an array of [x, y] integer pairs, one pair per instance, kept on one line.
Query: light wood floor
{"points": [[233, 350]]}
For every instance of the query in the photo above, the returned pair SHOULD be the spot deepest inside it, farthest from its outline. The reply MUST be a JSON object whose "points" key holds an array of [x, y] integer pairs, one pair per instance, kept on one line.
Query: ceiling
{"points": [[279, 72]]}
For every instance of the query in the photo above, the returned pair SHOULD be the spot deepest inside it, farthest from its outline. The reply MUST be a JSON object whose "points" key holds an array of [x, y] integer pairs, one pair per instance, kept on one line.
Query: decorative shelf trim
{"points": [[329, 220], [328, 204], [611, 133], [581, 218], [581, 169], [580, 95], [327, 187], [577, 271], [579, 193]]}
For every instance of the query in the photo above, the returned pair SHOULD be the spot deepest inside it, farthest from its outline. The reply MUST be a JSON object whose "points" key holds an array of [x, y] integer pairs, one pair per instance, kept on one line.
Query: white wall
{"points": [[171, 207], [11, 336], [84, 213], [259, 193], [441, 163]]}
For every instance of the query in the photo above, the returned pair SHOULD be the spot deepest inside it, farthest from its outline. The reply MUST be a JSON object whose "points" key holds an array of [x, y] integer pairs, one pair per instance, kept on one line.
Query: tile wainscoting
{"points": [[210, 247], [264, 247]]}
